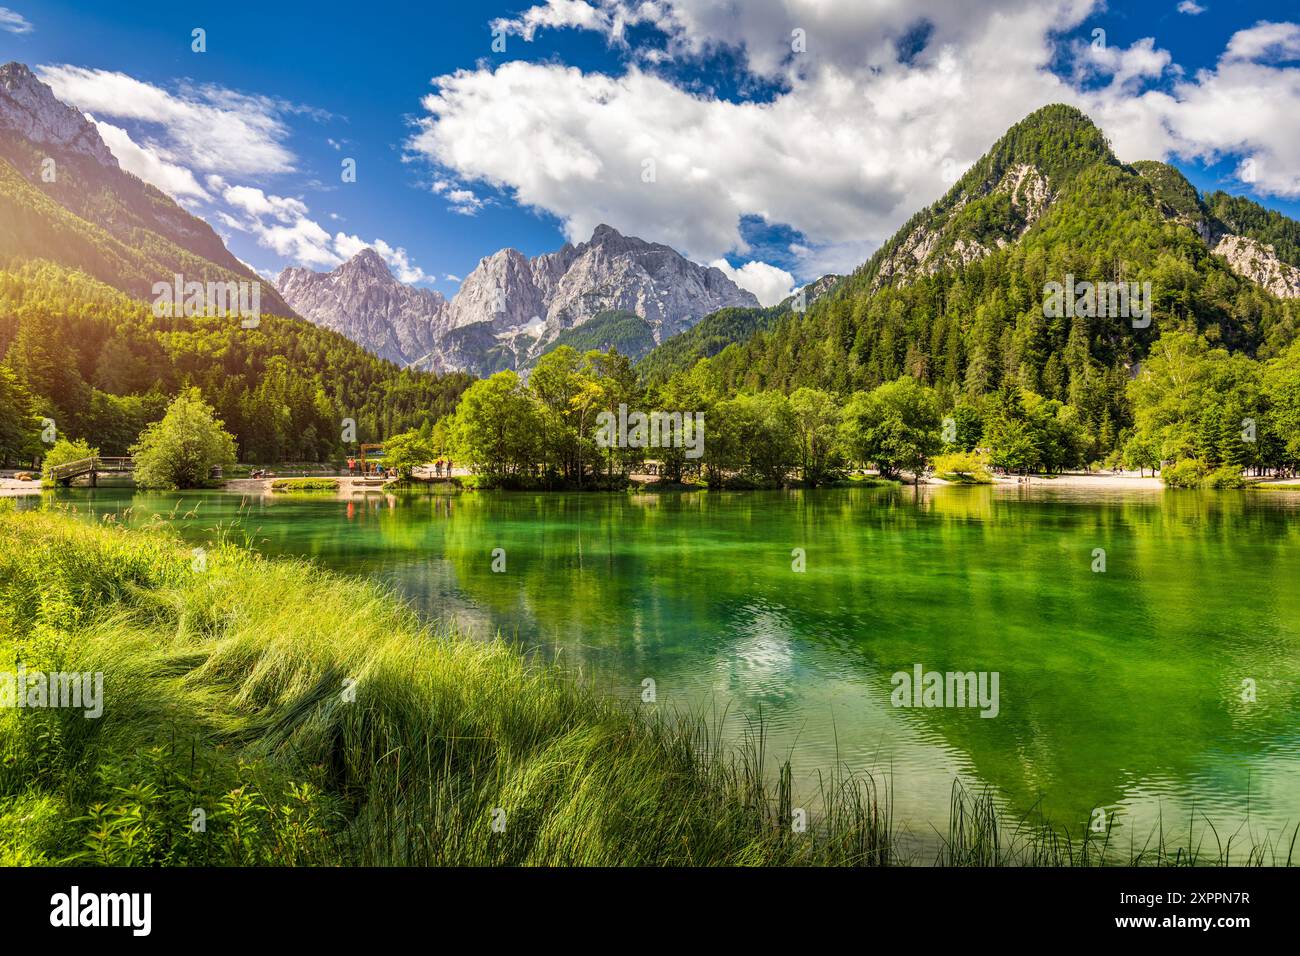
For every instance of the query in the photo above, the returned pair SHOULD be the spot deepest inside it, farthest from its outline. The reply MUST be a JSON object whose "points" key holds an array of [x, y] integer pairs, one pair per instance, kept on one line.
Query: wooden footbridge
{"points": [[91, 467]]}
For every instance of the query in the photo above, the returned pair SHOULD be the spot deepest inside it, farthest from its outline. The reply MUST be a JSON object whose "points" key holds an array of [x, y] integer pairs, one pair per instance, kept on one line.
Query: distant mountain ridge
{"points": [[362, 300], [511, 309]]}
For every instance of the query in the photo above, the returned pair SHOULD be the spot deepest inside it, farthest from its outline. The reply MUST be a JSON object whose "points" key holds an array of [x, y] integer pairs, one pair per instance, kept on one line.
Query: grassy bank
{"points": [[269, 712], [315, 719], [305, 484]]}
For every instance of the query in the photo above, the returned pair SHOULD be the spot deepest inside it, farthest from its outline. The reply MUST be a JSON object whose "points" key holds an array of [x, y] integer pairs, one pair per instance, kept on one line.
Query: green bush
{"points": [[1225, 477], [1188, 473], [305, 484], [962, 466]]}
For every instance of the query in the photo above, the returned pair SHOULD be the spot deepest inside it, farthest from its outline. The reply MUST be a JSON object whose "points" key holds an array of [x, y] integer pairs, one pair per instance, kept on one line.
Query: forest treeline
{"points": [[101, 366], [903, 360], [1200, 412]]}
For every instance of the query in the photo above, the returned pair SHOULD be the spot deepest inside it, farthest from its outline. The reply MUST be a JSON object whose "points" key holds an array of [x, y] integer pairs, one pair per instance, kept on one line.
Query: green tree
{"points": [[407, 451], [1008, 434], [896, 426], [19, 426], [968, 427], [181, 450], [816, 423], [768, 435], [495, 428], [1282, 387], [1141, 452]]}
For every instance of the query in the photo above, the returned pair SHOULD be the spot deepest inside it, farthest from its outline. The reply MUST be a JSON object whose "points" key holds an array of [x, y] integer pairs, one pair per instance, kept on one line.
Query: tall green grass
{"points": [[305, 484], [316, 719], [308, 718]]}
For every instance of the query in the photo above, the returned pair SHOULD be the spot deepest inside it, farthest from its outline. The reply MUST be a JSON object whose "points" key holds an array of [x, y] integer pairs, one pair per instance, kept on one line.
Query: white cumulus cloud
{"points": [[144, 161], [284, 225], [869, 110], [206, 128], [768, 283]]}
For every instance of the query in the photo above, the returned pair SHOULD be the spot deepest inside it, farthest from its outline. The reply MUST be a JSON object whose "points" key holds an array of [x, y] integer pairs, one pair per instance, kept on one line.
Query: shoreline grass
{"points": [[315, 719], [308, 718], [305, 484]]}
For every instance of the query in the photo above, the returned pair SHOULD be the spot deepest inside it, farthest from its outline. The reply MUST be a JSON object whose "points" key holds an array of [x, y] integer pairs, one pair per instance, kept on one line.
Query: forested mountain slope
{"points": [[955, 298], [102, 366], [65, 199]]}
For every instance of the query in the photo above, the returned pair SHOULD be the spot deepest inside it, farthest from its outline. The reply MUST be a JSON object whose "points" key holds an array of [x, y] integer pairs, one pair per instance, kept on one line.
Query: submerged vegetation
{"points": [[332, 726]]}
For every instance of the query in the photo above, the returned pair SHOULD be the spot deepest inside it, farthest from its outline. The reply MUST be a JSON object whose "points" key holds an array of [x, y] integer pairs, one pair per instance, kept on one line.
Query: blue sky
{"points": [[794, 155]]}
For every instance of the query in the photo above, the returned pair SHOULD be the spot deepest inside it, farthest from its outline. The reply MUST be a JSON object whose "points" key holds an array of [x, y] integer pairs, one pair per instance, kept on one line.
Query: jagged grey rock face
{"points": [[1259, 263], [812, 291], [500, 292], [566, 288], [361, 300], [510, 306], [30, 108], [928, 249], [819, 287]]}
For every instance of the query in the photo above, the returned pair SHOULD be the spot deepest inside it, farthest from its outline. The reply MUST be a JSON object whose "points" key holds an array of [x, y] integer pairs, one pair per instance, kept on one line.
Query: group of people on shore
{"points": [[369, 469], [372, 469]]}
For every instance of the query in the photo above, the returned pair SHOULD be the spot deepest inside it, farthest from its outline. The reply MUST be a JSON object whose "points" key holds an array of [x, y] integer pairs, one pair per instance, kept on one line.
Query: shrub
{"points": [[305, 484], [1225, 477], [1188, 473], [963, 466]]}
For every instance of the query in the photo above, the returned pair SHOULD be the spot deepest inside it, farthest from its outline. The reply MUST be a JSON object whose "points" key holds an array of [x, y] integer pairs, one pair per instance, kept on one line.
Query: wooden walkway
{"points": [[66, 473]]}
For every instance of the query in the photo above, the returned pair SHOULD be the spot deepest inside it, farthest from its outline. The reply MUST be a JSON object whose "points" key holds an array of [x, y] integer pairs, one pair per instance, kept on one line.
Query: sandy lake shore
{"points": [[1101, 480], [1107, 481]]}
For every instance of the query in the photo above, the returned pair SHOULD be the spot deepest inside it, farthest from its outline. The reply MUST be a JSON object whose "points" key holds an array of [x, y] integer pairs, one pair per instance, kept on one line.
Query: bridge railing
{"points": [[84, 466], [70, 469]]}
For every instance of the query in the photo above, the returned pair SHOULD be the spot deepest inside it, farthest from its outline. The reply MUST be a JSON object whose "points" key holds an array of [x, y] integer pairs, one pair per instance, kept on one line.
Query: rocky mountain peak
{"points": [[367, 262], [363, 301], [605, 233], [510, 307], [29, 108], [610, 272]]}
